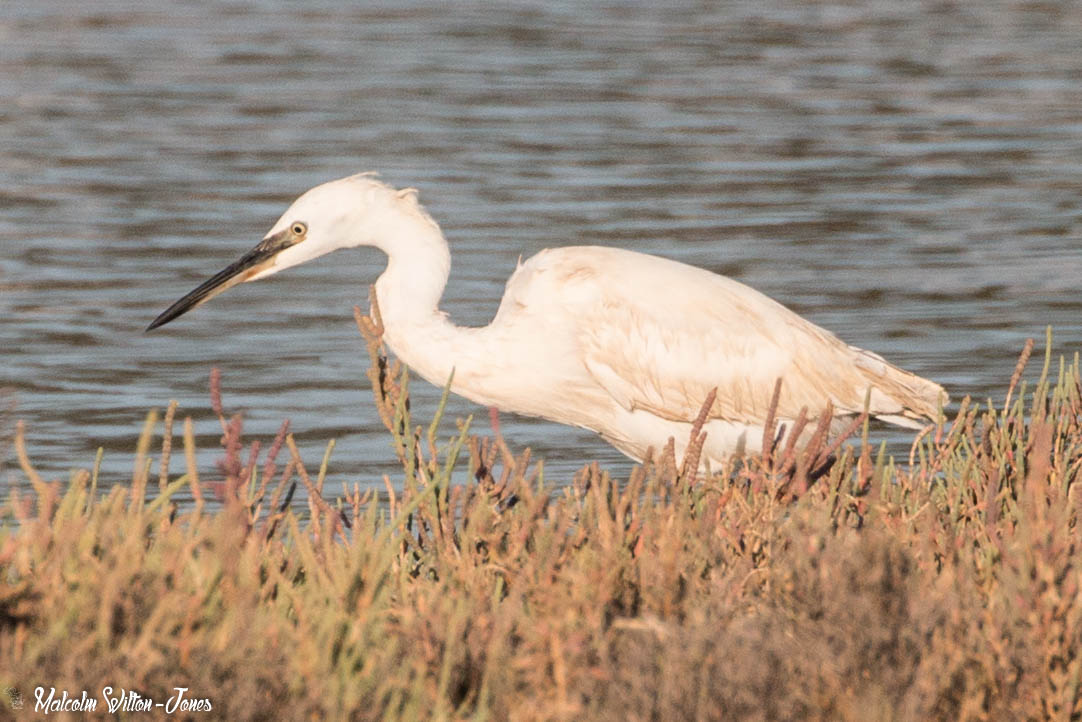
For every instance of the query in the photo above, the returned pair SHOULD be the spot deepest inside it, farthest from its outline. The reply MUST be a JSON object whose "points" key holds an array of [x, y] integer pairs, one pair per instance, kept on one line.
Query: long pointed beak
{"points": [[243, 269]]}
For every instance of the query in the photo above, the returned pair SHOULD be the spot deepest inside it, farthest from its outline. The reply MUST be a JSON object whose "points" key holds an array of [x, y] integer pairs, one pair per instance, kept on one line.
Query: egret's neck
{"points": [[409, 291], [418, 264]]}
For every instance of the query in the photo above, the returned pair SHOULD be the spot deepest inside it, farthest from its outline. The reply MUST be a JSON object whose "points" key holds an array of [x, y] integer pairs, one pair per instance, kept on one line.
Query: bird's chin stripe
{"points": [[254, 271], [261, 271]]}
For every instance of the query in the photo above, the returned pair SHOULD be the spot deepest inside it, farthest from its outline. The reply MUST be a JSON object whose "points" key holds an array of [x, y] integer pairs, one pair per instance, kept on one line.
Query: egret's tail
{"points": [[898, 396]]}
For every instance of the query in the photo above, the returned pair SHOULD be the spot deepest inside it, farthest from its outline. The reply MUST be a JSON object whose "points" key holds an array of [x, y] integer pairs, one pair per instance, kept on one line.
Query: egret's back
{"points": [[657, 336]]}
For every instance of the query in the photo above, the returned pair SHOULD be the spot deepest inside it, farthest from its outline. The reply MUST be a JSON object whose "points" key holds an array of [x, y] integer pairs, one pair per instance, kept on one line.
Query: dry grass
{"points": [[791, 587]]}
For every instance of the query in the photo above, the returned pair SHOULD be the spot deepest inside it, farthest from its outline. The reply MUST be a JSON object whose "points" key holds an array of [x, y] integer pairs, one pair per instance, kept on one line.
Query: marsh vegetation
{"points": [[835, 582]]}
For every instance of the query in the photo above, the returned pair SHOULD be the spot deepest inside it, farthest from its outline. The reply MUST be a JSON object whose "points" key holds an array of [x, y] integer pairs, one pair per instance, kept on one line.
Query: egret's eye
{"points": [[299, 229]]}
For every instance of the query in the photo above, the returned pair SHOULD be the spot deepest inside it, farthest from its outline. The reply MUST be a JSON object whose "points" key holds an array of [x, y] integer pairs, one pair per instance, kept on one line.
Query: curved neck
{"points": [[418, 264], [409, 292]]}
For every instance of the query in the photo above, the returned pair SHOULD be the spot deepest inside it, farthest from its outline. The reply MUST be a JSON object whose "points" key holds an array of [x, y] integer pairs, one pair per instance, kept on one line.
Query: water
{"points": [[906, 174]]}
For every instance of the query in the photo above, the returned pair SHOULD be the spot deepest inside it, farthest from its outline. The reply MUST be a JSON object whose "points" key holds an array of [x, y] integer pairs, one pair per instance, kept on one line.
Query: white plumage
{"points": [[625, 344]]}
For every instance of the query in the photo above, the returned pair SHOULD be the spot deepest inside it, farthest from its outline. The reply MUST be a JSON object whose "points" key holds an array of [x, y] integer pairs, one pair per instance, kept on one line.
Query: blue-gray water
{"points": [[906, 174]]}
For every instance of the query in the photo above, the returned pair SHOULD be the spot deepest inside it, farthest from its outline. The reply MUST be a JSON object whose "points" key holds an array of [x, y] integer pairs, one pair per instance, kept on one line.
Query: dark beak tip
{"points": [[176, 310], [226, 278]]}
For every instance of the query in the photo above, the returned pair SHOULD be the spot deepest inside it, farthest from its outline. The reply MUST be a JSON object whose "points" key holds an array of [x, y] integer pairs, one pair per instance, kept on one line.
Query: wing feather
{"points": [[659, 336]]}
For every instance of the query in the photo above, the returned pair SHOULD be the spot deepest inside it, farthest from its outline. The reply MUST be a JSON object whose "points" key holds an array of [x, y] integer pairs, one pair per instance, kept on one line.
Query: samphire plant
{"points": [[833, 582]]}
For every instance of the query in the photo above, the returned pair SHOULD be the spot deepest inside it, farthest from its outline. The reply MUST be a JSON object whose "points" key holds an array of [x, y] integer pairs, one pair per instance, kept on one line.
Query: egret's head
{"points": [[342, 213]]}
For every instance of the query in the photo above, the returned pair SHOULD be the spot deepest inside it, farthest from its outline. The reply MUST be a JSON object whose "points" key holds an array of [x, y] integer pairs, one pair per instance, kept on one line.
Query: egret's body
{"points": [[622, 343]]}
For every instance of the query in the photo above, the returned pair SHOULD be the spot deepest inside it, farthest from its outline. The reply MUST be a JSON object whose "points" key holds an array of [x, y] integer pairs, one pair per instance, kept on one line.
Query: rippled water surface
{"points": [[907, 174]]}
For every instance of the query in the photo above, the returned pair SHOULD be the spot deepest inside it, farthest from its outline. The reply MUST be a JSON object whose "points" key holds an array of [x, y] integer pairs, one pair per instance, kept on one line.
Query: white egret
{"points": [[625, 344]]}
